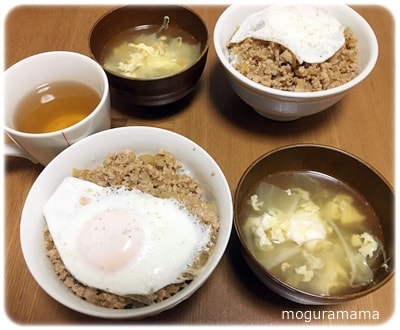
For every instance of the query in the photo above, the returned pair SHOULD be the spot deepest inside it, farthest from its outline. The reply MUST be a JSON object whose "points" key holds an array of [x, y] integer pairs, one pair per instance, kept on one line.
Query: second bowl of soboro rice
{"points": [[274, 83]]}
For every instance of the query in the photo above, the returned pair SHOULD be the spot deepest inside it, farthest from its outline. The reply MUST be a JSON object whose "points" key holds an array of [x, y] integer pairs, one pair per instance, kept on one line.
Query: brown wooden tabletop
{"points": [[215, 118]]}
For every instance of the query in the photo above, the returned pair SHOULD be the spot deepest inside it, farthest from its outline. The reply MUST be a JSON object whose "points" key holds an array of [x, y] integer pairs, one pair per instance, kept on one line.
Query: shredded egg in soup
{"points": [[313, 232]]}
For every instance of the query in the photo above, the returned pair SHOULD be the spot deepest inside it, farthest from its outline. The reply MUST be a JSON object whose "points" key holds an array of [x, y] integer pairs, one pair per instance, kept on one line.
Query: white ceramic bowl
{"points": [[90, 152], [284, 105]]}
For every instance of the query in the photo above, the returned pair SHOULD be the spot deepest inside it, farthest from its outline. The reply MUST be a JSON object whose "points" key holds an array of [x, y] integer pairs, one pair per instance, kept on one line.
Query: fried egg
{"points": [[309, 32], [122, 241]]}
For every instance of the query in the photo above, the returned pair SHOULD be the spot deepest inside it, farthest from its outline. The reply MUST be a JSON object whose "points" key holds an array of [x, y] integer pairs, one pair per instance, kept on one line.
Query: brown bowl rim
{"points": [[199, 58], [308, 297]]}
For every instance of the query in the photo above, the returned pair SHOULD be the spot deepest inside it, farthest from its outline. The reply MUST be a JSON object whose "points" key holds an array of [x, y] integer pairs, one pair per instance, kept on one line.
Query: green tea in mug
{"points": [[54, 106]]}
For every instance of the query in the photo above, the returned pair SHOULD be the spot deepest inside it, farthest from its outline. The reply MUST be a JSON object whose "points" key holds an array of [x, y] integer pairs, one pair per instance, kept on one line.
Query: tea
{"points": [[54, 106]]}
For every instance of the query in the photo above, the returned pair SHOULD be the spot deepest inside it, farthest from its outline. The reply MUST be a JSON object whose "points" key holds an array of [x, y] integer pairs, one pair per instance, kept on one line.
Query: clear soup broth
{"points": [[54, 106], [313, 232], [143, 53]]}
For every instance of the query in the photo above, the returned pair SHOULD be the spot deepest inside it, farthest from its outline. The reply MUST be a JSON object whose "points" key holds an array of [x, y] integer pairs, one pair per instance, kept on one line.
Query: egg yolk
{"points": [[111, 239]]}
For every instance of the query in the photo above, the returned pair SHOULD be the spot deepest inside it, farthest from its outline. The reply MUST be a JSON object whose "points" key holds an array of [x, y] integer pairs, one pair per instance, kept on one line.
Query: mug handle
{"points": [[11, 149]]}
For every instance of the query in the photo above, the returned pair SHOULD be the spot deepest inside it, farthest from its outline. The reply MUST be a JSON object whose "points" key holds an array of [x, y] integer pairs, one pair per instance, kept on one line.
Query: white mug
{"points": [[31, 72]]}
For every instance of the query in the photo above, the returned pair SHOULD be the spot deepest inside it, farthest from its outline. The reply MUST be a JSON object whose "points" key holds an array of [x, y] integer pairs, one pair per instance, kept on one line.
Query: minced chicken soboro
{"points": [[273, 65], [162, 176]]}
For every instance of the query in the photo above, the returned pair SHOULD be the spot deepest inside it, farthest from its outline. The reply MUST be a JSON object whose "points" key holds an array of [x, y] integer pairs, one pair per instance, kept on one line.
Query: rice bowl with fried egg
{"points": [[89, 153], [121, 247]]}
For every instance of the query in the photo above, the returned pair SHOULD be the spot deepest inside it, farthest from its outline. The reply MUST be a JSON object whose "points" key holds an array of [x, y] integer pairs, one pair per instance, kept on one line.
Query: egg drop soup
{"points": [[143, 53], [313, 232]]}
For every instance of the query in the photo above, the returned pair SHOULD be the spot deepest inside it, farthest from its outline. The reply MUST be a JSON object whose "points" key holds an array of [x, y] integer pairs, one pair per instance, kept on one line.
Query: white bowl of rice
{"points": [[160, 166], [275, 84]]}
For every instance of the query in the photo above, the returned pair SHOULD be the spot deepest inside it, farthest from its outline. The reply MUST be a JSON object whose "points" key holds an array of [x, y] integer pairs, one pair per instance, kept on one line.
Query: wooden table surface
{"points": [[215, 118]]}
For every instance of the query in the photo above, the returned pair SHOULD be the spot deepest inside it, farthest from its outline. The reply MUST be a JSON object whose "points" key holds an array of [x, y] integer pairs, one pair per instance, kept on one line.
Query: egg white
{"points": [[122, 241], [309, 32]]}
